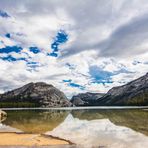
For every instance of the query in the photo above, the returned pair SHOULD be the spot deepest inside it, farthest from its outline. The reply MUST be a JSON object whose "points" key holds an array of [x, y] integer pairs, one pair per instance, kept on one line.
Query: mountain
{"points": [[86, 99], [44, 95], [34, 95], [131, 94]]}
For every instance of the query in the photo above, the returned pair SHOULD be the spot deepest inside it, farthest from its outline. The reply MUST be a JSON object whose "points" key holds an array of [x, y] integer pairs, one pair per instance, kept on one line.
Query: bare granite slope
{"points": [[134, 93], [37, 94]]}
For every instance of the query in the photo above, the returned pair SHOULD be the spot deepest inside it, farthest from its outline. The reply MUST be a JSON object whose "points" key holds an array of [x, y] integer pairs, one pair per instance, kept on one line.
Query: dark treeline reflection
{"points": [[37, 121]]}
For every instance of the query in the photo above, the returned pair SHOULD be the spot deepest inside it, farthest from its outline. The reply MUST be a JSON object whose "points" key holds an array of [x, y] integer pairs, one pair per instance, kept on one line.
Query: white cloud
{"points": [[4, 41], [110, 35]]}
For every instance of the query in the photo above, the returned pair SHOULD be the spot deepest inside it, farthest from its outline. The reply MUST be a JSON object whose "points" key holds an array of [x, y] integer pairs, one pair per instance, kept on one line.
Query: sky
{"points": [[77, 46]]}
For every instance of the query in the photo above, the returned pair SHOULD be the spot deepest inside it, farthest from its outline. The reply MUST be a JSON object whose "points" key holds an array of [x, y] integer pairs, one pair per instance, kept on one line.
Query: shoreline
{"points": [[79, 108]]}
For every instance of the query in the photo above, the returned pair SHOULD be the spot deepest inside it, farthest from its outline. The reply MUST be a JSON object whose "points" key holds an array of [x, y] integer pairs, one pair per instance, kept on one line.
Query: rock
{"points": [[35, 95], [86, 99], [2, 115]]}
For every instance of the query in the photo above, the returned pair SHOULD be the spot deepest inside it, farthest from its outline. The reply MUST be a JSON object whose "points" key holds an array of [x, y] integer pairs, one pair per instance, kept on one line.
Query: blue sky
{"points": [[78, 46]]}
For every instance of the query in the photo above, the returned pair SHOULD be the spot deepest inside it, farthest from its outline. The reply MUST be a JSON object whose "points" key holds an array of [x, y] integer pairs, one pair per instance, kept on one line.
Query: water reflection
{"points": [[134, 119], [99, 132], [35, 121]]}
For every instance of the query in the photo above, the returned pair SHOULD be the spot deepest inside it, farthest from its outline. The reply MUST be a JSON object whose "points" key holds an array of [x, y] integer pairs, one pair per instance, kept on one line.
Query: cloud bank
{"points": [[78, 46]]}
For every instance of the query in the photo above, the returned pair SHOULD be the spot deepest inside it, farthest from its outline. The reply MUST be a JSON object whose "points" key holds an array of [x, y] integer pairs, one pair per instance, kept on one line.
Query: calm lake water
{"points": [[89, 127]]}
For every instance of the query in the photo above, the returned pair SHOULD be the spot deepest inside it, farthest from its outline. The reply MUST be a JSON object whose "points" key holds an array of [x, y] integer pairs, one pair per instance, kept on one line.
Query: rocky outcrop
{"points": [[35, 95], [132, 93], [86, 99], [3, 115]]}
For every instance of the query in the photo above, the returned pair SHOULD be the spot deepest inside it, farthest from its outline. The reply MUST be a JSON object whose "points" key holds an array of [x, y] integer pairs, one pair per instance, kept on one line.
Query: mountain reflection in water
{"points": [[99, 132], [35, 121], [90, 127]]}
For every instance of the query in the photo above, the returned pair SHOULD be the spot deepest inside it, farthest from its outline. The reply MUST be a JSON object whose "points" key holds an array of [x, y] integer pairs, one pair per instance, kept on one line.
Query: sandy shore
{"points": [[53, 146], [15, 139]]}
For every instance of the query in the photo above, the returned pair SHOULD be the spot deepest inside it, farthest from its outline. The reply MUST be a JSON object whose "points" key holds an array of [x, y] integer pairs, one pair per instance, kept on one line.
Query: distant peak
{"points": [[39, 84], [43, 83]]}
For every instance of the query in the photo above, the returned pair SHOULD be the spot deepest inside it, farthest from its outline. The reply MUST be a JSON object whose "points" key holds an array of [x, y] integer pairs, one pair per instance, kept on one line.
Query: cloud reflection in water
{"points": [[100, 132]]}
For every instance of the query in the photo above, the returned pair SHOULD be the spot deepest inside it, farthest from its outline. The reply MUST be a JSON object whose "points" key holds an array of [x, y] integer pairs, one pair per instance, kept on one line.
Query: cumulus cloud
{"points": [[101, 45]]}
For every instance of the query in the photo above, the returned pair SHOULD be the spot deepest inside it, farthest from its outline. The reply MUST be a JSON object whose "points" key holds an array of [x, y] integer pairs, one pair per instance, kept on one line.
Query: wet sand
{"points": [[15, 139]]}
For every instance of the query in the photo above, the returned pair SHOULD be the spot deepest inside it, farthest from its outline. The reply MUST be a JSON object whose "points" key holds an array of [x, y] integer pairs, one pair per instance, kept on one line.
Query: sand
{"points": [[15, 139]]}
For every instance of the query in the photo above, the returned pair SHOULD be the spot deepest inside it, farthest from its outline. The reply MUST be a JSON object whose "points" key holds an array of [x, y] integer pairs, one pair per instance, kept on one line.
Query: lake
{"points": [[92, 127]]}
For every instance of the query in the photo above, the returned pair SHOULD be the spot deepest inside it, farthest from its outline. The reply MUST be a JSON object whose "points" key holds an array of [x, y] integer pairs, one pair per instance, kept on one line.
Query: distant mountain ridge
{"points": [[37, 94], [86, 99], [134, 93], [40, 94]]}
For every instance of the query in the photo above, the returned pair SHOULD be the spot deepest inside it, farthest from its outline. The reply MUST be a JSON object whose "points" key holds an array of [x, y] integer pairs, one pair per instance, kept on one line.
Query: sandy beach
{"points": [[15, 139]]}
